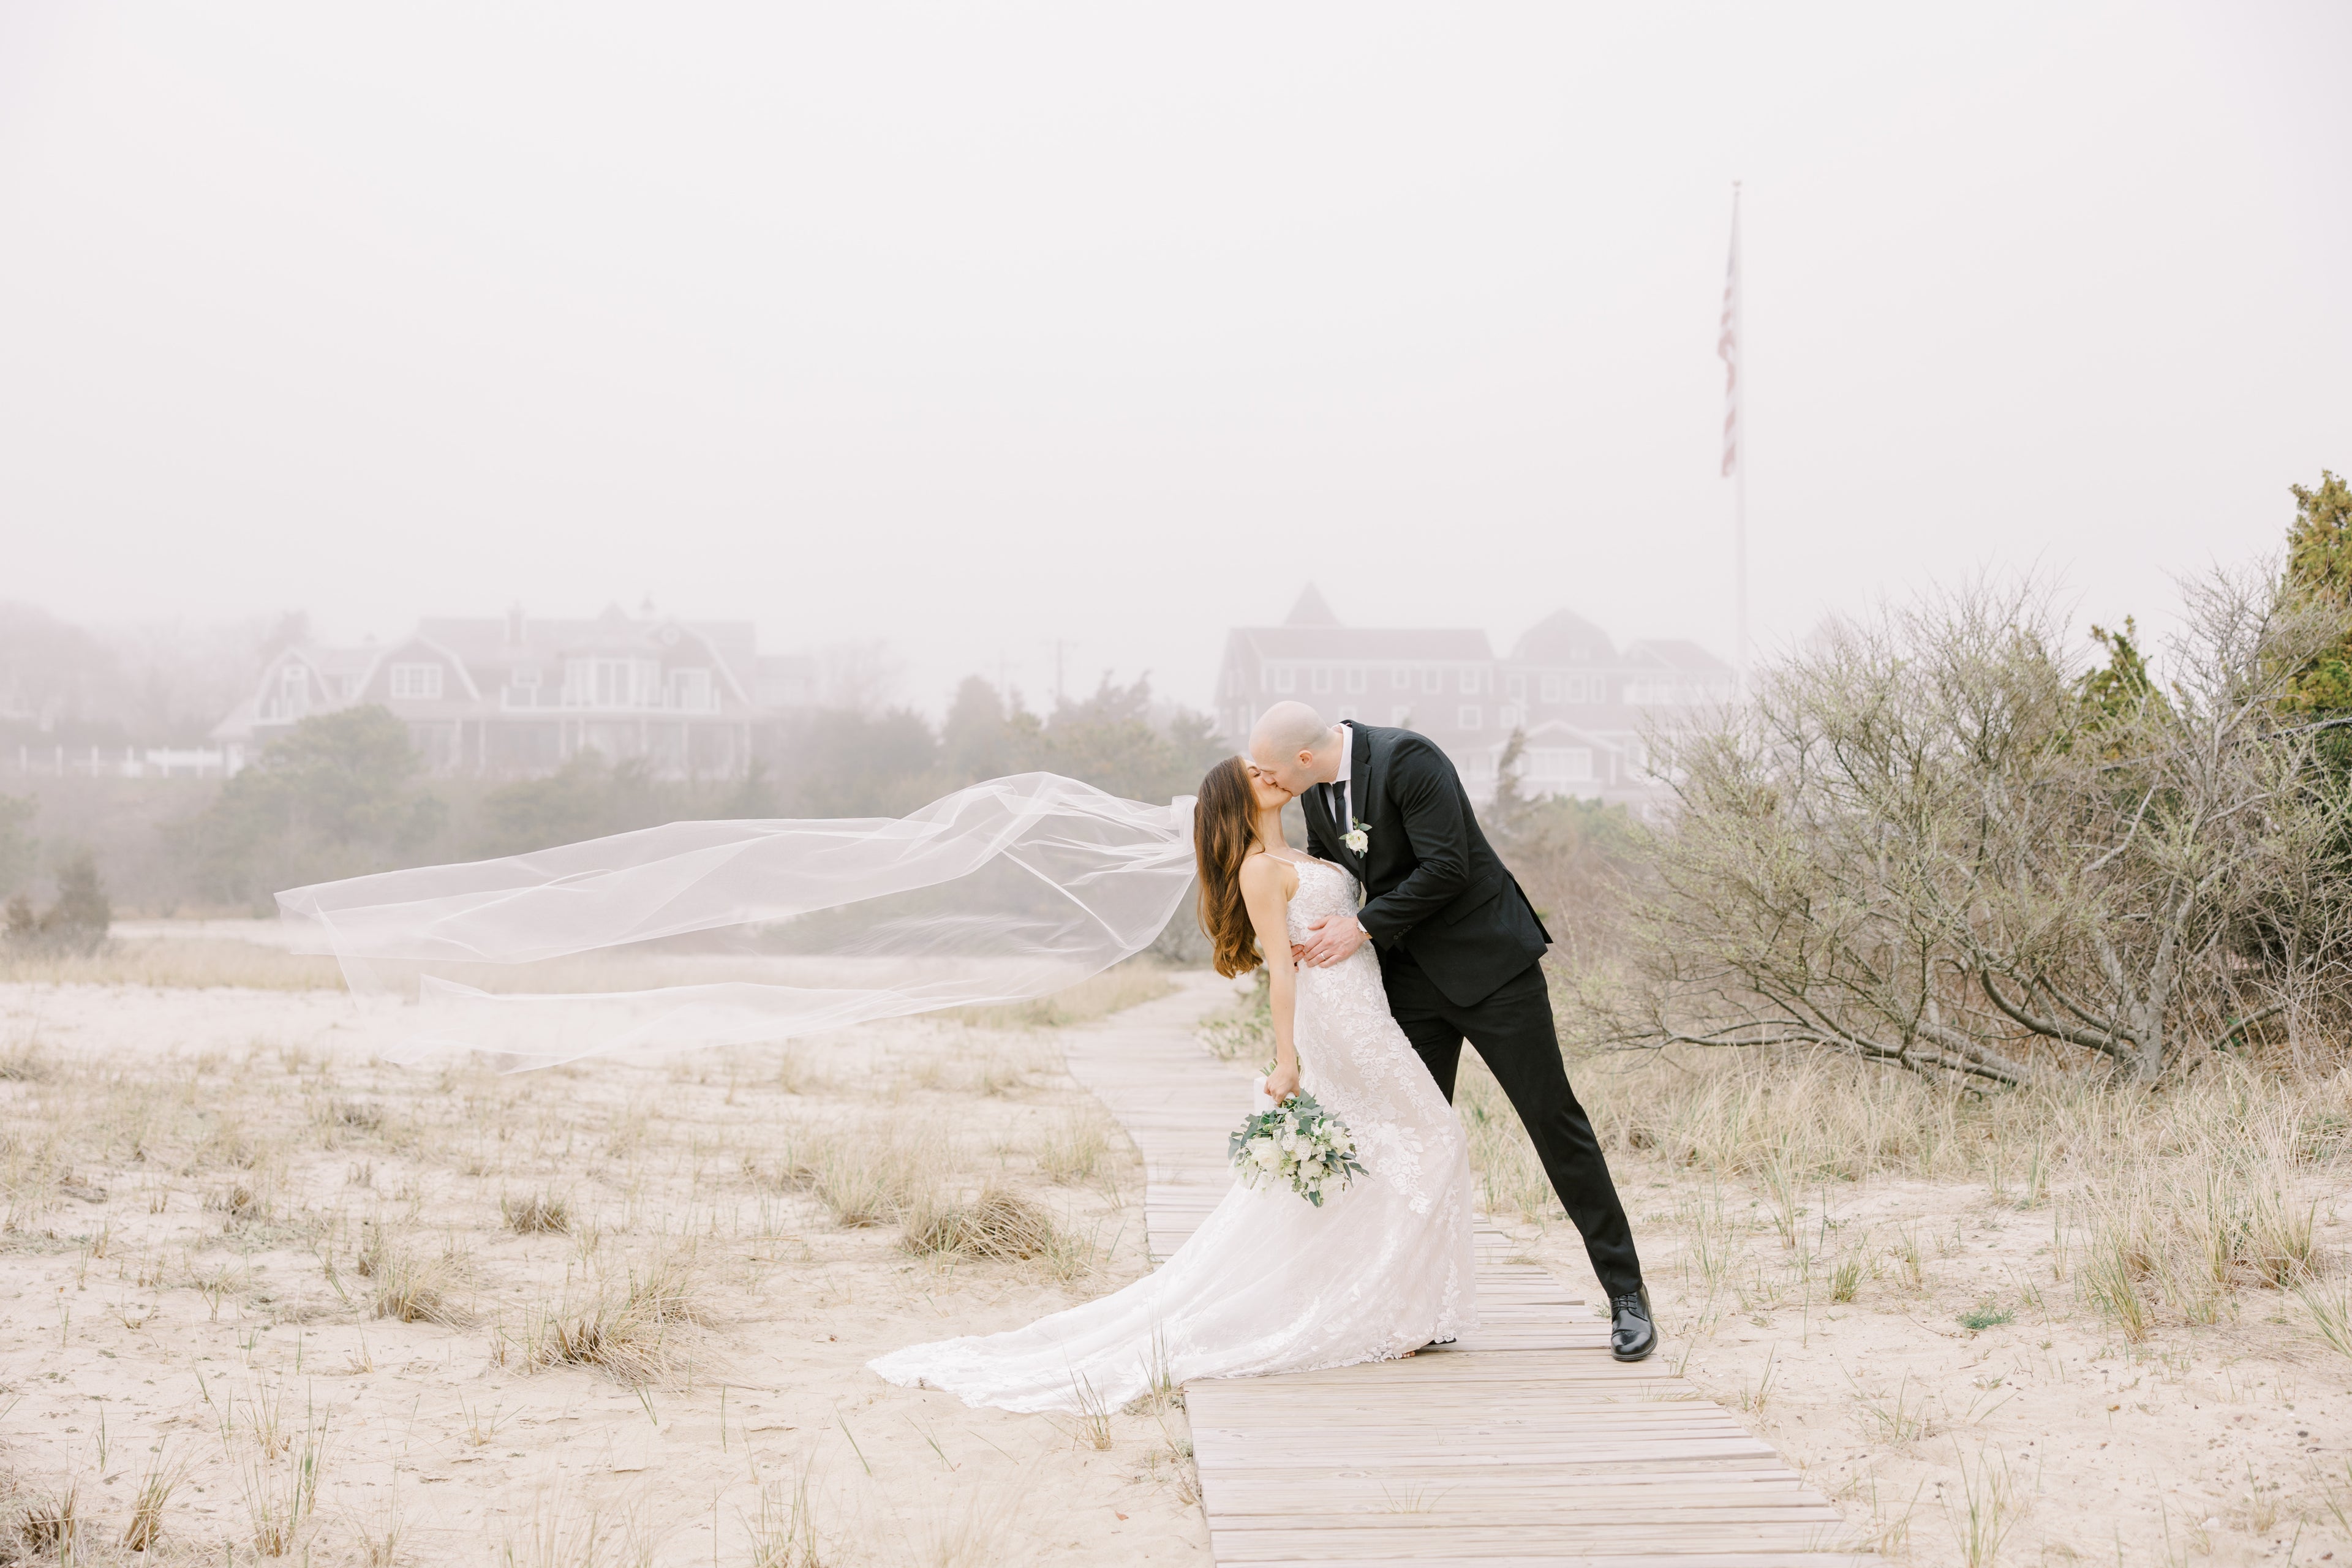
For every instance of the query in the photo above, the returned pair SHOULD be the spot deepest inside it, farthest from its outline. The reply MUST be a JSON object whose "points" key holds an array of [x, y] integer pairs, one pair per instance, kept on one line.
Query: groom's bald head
{"points": [[1291, 745]]}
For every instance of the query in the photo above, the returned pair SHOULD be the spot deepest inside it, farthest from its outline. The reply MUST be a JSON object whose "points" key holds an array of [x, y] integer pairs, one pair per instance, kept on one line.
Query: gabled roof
{"points": [[1676, 654], [1559, 731], [361, 660], [433, 645], [1310, 611], [1563, 638], [1364, 643], [489, 642], [237, 723]]}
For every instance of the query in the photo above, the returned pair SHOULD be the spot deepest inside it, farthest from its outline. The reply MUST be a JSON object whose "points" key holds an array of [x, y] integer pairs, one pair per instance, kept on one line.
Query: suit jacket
{"points": [[1435, 888]]}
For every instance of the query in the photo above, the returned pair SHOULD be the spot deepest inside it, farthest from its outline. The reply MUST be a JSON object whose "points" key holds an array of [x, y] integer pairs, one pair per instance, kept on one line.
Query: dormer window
{"points": [[293, 689], [611, 683], [415, 682]]}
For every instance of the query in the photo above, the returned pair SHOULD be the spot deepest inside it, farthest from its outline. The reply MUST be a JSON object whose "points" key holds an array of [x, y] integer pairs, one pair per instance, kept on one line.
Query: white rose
{"points": [[1264, 1151]]}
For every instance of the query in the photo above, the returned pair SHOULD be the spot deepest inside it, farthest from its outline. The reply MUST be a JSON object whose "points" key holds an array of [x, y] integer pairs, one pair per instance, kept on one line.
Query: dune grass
{"points": [[1918, 1275], [313, 1216], [638, 1328], [2167, 1207], [190, 962], [1142, 978]]}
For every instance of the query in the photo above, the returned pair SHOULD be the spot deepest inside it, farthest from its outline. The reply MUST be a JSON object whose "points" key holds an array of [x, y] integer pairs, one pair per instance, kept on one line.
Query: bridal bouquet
{"points": [[1297, 1144]]}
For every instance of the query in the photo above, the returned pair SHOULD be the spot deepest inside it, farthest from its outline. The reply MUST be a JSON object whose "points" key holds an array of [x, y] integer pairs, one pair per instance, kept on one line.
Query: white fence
{"points": [[130, 762]]}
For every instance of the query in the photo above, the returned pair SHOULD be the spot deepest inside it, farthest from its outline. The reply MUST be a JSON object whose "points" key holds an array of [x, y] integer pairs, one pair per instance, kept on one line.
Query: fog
{"points": [[976, 329]]}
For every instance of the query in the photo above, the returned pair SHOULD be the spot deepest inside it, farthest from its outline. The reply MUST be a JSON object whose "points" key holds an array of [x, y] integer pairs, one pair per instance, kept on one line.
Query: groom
{"points": [[1459, 948]]}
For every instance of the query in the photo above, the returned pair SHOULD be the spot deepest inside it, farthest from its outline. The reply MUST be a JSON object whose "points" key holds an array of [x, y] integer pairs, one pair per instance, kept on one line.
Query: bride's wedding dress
{"points": [[1270, 1282]]}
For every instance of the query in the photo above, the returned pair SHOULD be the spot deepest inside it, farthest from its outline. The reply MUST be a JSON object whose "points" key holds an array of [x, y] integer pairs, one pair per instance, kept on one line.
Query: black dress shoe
{"points": [[1632, 1334]]}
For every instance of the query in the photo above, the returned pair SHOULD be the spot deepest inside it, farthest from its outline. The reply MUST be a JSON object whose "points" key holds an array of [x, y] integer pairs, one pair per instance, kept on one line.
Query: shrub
{"points": [[77, 922], [336, 796], [1937, 840]]}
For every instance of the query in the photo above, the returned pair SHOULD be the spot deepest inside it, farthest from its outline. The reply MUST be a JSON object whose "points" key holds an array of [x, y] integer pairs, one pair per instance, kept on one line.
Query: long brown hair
{"points": [[1224, 822]]}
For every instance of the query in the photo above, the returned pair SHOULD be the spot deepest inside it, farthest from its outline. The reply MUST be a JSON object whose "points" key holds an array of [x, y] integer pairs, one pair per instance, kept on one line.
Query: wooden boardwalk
{"points": [[1525, 1446]]}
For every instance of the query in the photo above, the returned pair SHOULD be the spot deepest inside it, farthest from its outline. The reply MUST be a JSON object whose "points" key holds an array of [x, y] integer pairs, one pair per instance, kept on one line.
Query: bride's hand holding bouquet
{"points": [[1282, 1079]]}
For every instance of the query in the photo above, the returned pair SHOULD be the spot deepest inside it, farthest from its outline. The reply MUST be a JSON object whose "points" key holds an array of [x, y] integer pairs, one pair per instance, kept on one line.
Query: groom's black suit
{"points": [[1459, 945]]}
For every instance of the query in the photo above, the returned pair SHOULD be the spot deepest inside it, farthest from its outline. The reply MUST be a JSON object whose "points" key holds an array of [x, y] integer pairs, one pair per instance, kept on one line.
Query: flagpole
{"points": [[1739, 473], [1738, 393]]}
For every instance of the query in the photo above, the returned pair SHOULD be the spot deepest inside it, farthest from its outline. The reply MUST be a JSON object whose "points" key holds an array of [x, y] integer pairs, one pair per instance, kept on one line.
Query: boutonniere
{"points": [[1357, 838]]}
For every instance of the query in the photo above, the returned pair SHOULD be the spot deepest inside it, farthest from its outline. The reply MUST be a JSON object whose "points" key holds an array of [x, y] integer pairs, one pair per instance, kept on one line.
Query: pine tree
{"points": [[2319, 572], [80, 917], [16, 846]]}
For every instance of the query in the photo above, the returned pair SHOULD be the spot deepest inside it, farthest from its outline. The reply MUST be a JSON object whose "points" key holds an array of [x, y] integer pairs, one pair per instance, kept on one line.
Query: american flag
{"points": [[1726, 347]]}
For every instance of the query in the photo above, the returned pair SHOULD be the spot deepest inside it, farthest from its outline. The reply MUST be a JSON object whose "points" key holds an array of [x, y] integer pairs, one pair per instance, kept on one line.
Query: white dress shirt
{"points": [[1342, 807]]}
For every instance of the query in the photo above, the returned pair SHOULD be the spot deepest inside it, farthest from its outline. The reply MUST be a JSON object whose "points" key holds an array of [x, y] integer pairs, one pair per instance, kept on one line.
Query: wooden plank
{"points": [[1618, 1560], [1521, 1446]]}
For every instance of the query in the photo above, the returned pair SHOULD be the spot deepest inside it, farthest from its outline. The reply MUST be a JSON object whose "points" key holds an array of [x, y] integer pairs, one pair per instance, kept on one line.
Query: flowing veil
{"points": [[718, 932]]}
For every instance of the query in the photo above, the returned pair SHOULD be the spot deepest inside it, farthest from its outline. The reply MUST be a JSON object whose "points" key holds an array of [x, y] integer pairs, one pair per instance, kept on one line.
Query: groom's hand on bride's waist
{"points": [[1332, 940]]}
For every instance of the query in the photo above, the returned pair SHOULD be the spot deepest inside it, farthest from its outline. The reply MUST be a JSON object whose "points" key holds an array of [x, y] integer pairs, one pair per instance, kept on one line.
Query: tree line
{"points": [[344, 793]]}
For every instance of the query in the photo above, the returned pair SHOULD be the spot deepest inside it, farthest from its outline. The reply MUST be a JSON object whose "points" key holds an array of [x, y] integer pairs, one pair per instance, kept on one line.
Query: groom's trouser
{"points": [[1513, 1032]]}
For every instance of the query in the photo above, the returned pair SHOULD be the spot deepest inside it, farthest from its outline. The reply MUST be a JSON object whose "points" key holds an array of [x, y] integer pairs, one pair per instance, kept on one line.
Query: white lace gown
{"points": [[1270, 1282]]}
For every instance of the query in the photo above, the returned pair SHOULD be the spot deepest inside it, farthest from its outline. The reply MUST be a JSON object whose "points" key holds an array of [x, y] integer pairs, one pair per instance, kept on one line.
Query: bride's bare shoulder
{"points": [[1261, 873]]}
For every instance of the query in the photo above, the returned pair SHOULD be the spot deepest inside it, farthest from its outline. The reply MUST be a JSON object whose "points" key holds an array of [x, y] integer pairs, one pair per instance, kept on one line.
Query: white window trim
{"points": [[694, 691], [1554, 765], [416, 683]]}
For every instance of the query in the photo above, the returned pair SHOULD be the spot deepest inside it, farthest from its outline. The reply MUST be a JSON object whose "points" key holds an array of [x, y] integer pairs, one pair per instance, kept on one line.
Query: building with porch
{"points": [[1582, 704], [515, 696]]}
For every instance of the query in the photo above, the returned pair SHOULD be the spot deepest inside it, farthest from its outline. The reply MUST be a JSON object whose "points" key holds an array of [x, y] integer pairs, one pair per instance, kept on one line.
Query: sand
{"points": [[2048, 1435], [142, 1303], [142, 1313]]}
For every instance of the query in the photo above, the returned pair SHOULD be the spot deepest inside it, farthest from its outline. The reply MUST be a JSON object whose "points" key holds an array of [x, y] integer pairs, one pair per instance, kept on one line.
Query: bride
{"points": [[1269, 1282], [699, 933]]}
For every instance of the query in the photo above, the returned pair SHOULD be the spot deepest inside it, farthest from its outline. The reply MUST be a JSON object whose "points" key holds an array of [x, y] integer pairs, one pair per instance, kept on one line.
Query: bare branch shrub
{"points": [[1940, 839]]}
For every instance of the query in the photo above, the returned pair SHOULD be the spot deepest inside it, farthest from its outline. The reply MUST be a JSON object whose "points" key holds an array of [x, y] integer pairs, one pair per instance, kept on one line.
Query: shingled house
{"points": [[518, 696], [1584, 703]]}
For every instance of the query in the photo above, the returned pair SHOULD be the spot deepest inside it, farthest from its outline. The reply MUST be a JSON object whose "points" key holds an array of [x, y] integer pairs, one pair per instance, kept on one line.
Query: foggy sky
{"points": [[972, 328]]}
